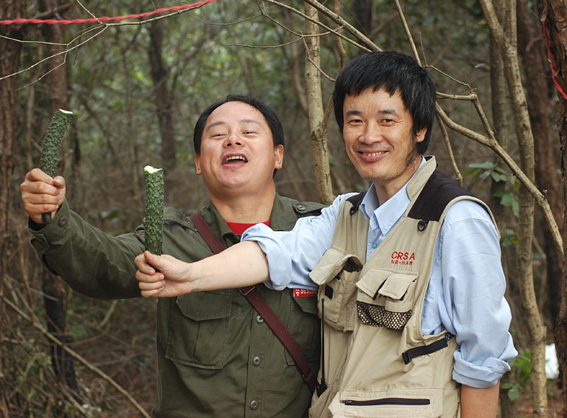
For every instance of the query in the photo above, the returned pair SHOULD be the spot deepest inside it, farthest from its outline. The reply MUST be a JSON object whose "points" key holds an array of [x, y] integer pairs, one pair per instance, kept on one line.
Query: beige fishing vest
{"points": [[375, 360]]}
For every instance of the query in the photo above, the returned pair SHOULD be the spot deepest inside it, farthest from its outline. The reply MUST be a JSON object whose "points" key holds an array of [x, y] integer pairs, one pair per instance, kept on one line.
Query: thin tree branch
{"points": [[78, 357]]}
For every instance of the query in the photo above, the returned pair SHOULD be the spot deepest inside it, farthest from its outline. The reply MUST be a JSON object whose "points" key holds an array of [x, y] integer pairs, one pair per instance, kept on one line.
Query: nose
{"points": [[371, 134], [232, 139]]}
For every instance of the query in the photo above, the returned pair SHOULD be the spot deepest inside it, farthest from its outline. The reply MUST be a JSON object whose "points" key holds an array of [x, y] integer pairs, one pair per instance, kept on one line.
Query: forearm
{"points": [[92, 262], [240, 265], [479, 403]]}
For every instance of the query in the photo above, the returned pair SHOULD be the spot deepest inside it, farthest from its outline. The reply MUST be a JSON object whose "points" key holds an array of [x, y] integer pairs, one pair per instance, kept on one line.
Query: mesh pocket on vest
{"points": [[378, 316]]}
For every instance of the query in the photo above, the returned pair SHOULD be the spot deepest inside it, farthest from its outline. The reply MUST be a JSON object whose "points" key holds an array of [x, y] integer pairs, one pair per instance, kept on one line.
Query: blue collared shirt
{"points": [[466, 289]]}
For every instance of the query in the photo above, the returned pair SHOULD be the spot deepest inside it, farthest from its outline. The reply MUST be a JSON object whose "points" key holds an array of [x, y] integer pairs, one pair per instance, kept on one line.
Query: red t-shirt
{"points": [[239, 228]]}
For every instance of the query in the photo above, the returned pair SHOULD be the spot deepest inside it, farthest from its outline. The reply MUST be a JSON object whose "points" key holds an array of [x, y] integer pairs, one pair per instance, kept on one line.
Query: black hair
{"points": [[271, 119], [392, 71]]}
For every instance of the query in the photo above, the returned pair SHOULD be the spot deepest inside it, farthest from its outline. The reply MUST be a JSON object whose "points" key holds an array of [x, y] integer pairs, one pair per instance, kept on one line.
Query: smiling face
{"points": [[379, 140], [237, 151]]}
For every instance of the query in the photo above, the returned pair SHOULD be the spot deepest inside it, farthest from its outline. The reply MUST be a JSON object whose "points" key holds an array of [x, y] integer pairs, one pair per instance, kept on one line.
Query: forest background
{"points": [[137, 86]]}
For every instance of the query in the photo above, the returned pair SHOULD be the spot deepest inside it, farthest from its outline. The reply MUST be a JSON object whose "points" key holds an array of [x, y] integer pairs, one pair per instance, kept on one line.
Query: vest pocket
{"points": [[336, 275], [199, 330], [392, 403], [385, 299]]}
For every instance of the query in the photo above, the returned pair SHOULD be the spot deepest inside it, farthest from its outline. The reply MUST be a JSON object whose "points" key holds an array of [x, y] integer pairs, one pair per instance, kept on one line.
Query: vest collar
{"points": [[421, 176]]}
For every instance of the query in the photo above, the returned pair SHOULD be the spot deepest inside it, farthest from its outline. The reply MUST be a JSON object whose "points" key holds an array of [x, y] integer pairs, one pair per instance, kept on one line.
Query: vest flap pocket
{"points": [[396, 286], [386, 298], [332, 263], [399, 403], [337, 274], [371, 281], [376, 283]]}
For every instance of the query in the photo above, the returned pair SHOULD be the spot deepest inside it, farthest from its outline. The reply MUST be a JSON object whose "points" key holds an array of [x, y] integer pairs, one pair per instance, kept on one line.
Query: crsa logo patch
{"points": [[404, 258]]}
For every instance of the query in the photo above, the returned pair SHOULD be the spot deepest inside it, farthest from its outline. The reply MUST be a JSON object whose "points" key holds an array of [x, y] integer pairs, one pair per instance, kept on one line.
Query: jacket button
{"points": [[254, 405], [300, 207], [259, 319], [256, 361], [40, 242], [63, 222]]}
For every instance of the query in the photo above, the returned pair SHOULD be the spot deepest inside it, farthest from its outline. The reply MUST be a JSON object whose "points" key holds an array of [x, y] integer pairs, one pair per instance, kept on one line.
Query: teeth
{"points": [[373, 154], [235, 157]]}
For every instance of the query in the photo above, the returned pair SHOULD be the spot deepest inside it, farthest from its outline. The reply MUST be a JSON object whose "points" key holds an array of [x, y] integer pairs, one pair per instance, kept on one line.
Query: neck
{"points": [[386, 191], [236, 207]]}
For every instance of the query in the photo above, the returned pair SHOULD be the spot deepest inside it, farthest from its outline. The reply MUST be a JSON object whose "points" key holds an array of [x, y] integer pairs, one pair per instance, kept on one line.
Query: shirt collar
{"points": [[385, 216]]}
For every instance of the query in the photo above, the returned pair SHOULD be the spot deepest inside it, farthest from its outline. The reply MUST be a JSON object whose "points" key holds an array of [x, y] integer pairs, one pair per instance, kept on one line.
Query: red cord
{"points": [[553, 76], [104, 18]]}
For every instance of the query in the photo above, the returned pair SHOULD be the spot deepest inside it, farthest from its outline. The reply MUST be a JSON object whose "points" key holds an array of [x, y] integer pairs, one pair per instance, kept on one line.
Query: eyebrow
{"points": [[220, 122], [355, 112]]}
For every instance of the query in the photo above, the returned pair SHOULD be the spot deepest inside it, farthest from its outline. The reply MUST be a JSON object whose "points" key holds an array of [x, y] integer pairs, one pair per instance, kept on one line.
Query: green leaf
{"points": [[513, 394], [487, 165]]}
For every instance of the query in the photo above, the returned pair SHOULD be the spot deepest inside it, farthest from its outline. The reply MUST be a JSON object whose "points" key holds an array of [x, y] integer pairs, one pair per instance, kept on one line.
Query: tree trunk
{"points": [[162, 97], [10, 53], [363, 12], [317, 119], [500, 123], [532, 50], [555, 18], [55, 293], [506, 41]]}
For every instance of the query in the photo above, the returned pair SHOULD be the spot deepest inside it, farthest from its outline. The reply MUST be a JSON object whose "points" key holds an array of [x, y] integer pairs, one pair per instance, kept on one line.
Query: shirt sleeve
{"points": [[472, 304], [293, 254]]}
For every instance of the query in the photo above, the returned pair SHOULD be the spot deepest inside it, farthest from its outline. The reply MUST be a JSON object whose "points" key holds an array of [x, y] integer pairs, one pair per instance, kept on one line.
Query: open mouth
{"points": [[231, 159], [373, 154]]}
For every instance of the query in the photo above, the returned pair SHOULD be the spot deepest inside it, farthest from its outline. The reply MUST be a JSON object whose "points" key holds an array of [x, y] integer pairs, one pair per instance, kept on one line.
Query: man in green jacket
{"points": [[216, 355]]}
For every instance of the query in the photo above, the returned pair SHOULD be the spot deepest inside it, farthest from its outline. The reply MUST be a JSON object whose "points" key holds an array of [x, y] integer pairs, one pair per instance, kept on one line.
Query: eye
{"points": [[218, 134]]}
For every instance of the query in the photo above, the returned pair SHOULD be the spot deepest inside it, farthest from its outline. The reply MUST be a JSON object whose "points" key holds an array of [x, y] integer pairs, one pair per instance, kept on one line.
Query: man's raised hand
{"points": [[42, 194]]}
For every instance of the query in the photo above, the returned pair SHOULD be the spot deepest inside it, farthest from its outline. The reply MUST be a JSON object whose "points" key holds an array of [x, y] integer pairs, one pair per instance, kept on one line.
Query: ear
{"points": [[420, 135], [278, 153], [197, 164]]}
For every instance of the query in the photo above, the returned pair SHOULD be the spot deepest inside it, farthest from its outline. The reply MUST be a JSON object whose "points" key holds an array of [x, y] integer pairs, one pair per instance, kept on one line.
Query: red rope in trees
{"points": [[553, 75], [104, 18]]}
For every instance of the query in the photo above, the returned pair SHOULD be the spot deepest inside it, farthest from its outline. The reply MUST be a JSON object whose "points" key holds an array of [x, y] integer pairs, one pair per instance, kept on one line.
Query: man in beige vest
{"points": [[411, 289]]}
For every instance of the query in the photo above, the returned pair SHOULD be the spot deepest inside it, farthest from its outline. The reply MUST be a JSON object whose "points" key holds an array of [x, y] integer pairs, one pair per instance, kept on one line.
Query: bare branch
{"points": [[333, 31], [78, 357]]}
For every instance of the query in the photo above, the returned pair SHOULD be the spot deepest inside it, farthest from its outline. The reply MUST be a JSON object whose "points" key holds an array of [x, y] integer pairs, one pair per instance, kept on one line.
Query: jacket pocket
{"points": [[199, 330], [386, 299], [304, 324], [336, 274], [399, 403]]}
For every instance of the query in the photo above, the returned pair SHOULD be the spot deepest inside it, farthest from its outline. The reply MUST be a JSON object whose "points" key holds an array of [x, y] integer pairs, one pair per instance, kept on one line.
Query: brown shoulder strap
{"points": [[259, 303]]}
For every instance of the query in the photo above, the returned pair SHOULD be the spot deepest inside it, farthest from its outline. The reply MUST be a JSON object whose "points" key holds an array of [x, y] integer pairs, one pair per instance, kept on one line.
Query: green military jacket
{"points": [[216, 356]]}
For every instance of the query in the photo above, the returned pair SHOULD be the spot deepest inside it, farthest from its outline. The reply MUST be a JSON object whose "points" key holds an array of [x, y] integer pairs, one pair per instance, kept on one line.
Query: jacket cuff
{"points": [[44, 235], [484, 376]]}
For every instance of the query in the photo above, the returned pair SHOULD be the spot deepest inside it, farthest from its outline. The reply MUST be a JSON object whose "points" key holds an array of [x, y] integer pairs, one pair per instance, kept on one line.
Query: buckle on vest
{"points": [[412, 353], [422, 224]]}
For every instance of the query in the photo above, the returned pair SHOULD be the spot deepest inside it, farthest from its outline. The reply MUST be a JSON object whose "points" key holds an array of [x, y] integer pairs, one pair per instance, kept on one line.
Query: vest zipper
{"points": [[387, 401]]}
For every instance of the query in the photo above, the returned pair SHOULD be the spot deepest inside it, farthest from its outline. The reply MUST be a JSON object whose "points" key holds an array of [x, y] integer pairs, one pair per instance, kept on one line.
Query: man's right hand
{"points": [[42, 194]]}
